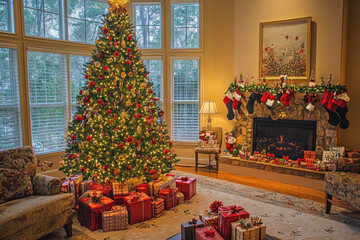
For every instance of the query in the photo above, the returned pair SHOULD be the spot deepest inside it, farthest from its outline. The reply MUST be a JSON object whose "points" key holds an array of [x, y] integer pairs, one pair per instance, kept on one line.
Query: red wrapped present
{"points": [[187, 186], [119, 200], [157, 207], [229, 208], [143, 188], [90, 211], [120, 189], [162, 182], [69, 186], [207, 233], [105, 188], [115, 219], [226, 216], [139, 207], [169, 196]]}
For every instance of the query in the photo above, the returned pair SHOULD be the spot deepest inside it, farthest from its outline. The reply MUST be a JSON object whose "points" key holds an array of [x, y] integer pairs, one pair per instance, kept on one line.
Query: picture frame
{"points": [[285, 48]]}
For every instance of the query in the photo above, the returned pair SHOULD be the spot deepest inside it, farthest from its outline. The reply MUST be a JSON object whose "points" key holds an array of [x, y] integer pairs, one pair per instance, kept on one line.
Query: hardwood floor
{"points": [[289, 189]]}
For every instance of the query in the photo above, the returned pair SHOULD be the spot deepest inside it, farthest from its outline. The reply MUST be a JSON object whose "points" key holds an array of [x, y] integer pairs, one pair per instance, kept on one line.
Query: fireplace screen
{"points": [[284, 137]]}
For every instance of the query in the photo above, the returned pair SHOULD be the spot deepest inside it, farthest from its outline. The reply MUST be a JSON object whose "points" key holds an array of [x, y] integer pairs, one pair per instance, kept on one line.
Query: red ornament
{"points": [[145, 169], [106, 168], [108, 112], [82, 169], [153, 141], [121, 145], [166, 151], [88, 138], [129, 139], [73, 137], [91, 84], [70, 156], [138, 156], [117, 43], [149, 130], [144, 75], [86, 76], [116, 171], [161, 112], [151, 91], [170, 143], [138, 116], [152, 171], [105, 30], [116, 128], [78, 118], [80, 92], [130, 168], [105, 68], [116, 54], [128, 50], [85, 99], [98, 89], [129, 87], [131, 56], [100, 55], [128, 62], [129, 38], [101, 76]]}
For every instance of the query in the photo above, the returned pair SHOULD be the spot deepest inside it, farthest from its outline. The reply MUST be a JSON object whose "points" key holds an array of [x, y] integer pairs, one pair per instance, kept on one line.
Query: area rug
{"points": [[286, 217]]}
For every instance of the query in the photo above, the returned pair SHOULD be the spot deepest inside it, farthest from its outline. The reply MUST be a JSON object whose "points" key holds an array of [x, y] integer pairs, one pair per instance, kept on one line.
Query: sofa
{"points": [[31, 205], [343, 182]]}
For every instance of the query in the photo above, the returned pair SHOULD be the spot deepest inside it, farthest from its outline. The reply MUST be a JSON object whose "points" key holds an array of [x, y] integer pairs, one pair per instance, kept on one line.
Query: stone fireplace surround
{"points": [[326, 134]]}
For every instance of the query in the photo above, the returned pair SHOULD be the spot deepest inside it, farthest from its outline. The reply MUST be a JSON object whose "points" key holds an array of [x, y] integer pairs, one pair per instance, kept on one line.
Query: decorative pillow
{"points": [[46, 185], [14, 184], [19, 158]]}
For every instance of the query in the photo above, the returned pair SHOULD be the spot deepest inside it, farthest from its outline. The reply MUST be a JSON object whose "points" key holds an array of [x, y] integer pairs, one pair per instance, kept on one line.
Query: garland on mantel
{"points": [[334, 99]]}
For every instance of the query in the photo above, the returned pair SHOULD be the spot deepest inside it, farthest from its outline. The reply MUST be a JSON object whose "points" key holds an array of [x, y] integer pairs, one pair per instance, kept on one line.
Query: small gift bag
{"points": [[188, 229], [180, 198], [115, 219], [157, 207]]}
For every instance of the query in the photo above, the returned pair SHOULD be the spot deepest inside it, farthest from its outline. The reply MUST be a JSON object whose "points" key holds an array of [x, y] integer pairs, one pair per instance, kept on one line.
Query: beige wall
{"points": [[350, 137], [327, 18]]}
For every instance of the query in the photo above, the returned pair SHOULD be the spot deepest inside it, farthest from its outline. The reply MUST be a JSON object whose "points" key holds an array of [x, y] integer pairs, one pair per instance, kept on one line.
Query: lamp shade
{"points": [[209, 107]]}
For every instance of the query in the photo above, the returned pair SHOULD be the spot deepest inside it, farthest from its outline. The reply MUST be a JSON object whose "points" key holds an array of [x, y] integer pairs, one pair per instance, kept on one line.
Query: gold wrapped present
{"points": [[209, 218]]}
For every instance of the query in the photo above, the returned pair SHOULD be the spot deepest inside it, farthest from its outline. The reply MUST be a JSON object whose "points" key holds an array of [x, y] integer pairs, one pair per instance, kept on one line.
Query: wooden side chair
{"points": [[216, 150]]}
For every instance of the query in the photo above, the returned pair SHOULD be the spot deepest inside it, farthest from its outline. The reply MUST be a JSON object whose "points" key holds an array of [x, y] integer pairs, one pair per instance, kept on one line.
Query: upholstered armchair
{"points": [[30, 203], [343, 182]]}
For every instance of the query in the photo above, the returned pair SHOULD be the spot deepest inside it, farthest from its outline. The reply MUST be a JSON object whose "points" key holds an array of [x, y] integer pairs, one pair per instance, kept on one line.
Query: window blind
{"points": [[7, 16], [185, 100], [10, 131], [48, 90]]}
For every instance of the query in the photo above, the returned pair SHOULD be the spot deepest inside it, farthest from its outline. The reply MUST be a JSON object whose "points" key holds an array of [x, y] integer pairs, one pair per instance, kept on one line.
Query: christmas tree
{"points": [[118, 131]]}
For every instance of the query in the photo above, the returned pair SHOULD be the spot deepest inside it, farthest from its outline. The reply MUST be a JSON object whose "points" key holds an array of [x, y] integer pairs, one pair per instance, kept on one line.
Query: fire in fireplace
{"points": [[284, 137]]}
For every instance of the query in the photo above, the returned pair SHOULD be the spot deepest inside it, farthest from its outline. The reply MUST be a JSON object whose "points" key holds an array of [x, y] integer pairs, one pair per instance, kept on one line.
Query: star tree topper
{"points": [[115, 4]]}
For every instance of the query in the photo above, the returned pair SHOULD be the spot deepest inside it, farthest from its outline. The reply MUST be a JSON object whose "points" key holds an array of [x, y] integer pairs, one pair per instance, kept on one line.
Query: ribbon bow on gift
{"points": [[210, 232], [193, 221], [234, 209], [256, 221], [184, 178]]}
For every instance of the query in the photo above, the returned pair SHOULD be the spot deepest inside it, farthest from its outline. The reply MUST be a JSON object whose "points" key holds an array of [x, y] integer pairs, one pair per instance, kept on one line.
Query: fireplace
{"points": [[284, 137]]}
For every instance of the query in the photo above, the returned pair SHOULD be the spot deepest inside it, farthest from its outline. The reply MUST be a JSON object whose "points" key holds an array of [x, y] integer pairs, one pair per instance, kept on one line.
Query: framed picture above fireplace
{"points": [[285, 49]]}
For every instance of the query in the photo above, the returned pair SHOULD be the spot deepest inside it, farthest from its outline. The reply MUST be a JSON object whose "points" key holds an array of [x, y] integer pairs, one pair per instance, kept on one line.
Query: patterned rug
{"points": [[286, 217]]}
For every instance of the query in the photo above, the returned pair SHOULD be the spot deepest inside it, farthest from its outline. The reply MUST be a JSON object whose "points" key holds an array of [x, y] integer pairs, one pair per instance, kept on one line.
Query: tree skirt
{"points": [[286, 217]]}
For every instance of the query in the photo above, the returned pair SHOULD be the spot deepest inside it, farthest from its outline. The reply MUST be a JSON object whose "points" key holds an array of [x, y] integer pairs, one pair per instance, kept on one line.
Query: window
{"points": [[185, 25], [77, 79], [154, 66], [185, 99], [10, 130], [6, 16], [43, 18], [84, 19], [48, 100], [147, 24]]}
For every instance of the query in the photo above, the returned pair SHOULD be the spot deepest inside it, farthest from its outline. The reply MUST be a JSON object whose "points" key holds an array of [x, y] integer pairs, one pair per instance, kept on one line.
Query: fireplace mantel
{"points": [[326, 134]]}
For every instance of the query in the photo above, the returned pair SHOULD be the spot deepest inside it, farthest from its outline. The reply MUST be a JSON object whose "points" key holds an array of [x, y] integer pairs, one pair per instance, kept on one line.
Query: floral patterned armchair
{"points": [[30, 206], [343, 182]]}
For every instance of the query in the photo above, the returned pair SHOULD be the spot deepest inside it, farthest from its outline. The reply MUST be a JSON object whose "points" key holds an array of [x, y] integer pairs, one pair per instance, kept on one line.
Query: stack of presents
{"points": [[113, 206], [224, 222]]}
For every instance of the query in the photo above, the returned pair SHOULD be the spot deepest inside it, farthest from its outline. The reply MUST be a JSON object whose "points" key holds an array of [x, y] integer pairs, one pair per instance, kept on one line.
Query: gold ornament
{"points": [[147, 134], [115, 4], [130, 74], [134, 155], [86, 93], [139, 129], [110, 60], [128, 103], [95, 142], [123, 121], [123, 44], [143, 85], [127, 143], [97, 64], [123, 75], [125, 128], [121, 157]]}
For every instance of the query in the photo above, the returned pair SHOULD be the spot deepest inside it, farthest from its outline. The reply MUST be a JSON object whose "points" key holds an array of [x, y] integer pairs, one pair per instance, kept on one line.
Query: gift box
{"points": [[310, 161], [119, 200], [69, 186], [139, 207], [229, 208], [105, 188], [245, 229], [207, 233], [84, 186], [310, 154], [180, 198], [187, 186], [157, 207], [143, 188], [169, 196], [209, 218], [162, 182], [91, 209], [188, 229], [115, 219], [226, 216], [120, 189]]}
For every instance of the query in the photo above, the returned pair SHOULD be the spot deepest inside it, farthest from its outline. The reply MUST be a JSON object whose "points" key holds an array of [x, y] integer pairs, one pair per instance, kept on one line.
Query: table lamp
{"points": [[209, 107]]}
